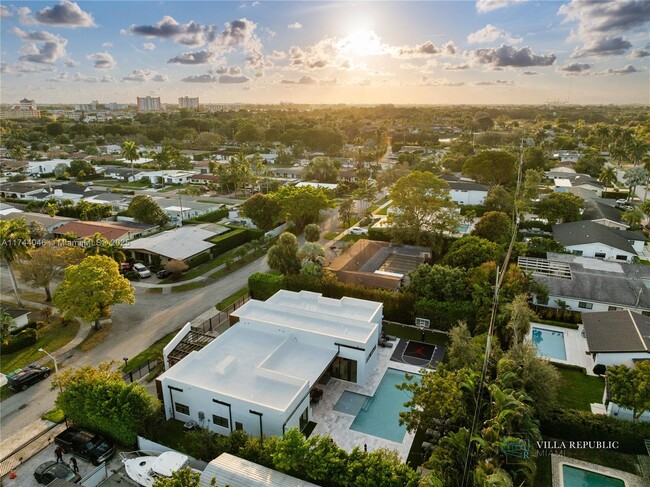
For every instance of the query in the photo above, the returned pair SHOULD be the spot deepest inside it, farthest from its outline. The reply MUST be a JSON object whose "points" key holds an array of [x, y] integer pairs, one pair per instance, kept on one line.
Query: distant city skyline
{"points": [[453, 52]]}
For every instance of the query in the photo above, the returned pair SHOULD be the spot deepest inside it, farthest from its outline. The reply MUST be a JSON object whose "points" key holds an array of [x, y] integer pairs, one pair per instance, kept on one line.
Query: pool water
{"points": [[549, 343], [379, 414], [350, 403], [462, 228], [574, 476]]}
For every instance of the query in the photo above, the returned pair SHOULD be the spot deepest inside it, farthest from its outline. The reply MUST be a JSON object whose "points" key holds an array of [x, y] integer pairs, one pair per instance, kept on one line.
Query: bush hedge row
{"points": [[210, 217], [576, 425], [22, 339], [444, 315], [238, 236]]}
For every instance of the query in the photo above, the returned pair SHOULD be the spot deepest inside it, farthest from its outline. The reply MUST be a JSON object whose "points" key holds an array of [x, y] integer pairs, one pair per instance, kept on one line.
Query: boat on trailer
{"points": [[145, 467]]}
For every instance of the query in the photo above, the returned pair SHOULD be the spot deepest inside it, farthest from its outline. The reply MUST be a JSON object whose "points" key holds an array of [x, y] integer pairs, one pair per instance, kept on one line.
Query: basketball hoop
{"points": [[422, 323]]}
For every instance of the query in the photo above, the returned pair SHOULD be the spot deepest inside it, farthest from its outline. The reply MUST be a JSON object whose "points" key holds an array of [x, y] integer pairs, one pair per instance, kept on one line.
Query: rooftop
{"points": [[109, 230], [42, 218], [180, 243], [597, 210], [617, 331], [584, 232]]}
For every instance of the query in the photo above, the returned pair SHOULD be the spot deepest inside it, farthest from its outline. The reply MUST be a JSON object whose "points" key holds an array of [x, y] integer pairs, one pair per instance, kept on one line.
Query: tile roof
{"points": [[617, 331], [586, 232]]}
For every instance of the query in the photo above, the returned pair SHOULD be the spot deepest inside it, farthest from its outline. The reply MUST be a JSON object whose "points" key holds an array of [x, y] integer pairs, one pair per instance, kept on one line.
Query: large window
{"points": [[621, 257], [220, 421], [239, 426], [585, 305], [600, 255], [181, 408], [304, 419], [344, 368]]}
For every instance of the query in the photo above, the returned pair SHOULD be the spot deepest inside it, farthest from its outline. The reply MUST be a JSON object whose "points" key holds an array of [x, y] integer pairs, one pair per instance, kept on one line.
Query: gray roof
{"points": [[26, 187], [612, 283], [586, 232], [586, 179], [617, 331], [108, 196], [467, 186], [46, 220], [14, 312], [597, 210]]}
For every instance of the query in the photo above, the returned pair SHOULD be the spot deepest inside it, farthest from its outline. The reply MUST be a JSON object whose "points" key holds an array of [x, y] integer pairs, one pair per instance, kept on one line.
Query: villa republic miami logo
{"points": [[521, 447]]}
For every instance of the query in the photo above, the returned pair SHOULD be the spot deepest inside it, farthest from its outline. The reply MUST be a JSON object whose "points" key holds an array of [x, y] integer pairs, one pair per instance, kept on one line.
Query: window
{"points": [[585, 305], [621, 257], [239, 426], [304, 419], [220, 421], [613, 308], [542, 300], [600, 255], [182, 408], [372, 352], [577, 252]]}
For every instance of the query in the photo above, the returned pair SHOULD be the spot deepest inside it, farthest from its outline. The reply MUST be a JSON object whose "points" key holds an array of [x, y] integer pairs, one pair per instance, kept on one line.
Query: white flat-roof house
{"points": [[258, 375], [45, 167]]}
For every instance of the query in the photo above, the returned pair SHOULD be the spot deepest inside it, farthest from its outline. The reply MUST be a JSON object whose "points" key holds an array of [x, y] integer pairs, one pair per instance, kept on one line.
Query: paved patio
{"points": [[337, 425]]}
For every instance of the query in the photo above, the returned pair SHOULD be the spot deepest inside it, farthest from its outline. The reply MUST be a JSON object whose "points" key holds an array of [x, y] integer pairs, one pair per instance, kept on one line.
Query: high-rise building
{"points": [[149, 104], [25, 109], [188, 102], [87, 107]]}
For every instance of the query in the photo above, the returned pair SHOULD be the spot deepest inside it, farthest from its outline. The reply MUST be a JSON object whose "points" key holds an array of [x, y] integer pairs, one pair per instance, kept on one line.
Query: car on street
{"points": [[142, 270], [624, 206], [163, 273], [358, 231], [49, 471], [621, 201], [86, 445], [21, 379]]}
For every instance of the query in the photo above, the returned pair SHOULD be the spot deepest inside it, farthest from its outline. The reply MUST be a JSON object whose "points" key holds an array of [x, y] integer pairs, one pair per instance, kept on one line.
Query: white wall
{"points": [[590, 250], [620, 358], [616, 411], [573, 304], [470, 197]]}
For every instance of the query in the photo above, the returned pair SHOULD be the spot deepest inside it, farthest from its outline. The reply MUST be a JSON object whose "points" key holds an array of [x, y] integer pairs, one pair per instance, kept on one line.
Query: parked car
{"points": [[163, 273], [21, 379], [624, 206], [621, 201], [142, 270], [49, 471], [86, 445], [358, 231]]}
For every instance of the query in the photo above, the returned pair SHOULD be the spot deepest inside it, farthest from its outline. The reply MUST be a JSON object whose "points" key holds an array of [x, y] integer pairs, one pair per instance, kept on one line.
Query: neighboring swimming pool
{"points": [[378, 415], [549, 343], [462, 228], [574, 476]]}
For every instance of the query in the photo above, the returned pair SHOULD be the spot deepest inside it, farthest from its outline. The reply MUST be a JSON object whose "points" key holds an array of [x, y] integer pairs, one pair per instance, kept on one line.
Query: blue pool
{"points": [[378, 415], [573, 476], [462, 228], [549, 343]]}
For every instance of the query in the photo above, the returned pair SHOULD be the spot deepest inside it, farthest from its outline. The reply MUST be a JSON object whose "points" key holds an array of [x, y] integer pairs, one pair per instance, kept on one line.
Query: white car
{"points": [[358, 231], [622, 201], [141, 270]]}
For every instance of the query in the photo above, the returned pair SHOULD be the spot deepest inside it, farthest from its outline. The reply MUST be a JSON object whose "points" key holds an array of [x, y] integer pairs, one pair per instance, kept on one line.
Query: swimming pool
{"points": [[572, 476], [462, 228], [379, 414], [549, 343]]}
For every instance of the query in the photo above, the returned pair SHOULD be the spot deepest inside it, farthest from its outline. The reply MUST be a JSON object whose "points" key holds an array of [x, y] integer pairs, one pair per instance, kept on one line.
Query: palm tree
{"points": [[618, 153], [636, 149], [98, 245], [365, 192], [130, 152], [602, 131], [14, 242], [607, 176]]}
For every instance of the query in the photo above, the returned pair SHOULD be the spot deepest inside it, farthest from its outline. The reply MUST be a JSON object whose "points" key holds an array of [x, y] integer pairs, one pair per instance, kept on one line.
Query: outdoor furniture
{"points": [[315, 395], [385, 344]]}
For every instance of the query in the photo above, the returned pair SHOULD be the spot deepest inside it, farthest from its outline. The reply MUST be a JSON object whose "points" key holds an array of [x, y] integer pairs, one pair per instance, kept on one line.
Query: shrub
{"points": [[198, 260], [22, 339], [235, 238], [444, 315], [263, 286], [210, 217], [576, 425], [132, 275], [176, 267]]}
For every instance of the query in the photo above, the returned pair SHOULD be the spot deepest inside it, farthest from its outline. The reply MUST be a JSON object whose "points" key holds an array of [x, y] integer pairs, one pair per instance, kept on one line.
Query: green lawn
{"points": [[352, 238], [238, 264], [51, 338], [55, 415], [188, 286], [578, 390], [204, 268], [330, 235], [232, 298], [413, 333], [153, 352], [383, 211]]}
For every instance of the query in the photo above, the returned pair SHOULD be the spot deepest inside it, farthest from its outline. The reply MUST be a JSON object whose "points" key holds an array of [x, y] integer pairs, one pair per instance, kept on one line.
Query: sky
{"points": [[443, 52]]}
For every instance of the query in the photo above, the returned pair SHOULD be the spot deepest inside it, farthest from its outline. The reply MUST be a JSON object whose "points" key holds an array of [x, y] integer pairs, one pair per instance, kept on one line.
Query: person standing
{"points": [[73, 465], [59, 454]]}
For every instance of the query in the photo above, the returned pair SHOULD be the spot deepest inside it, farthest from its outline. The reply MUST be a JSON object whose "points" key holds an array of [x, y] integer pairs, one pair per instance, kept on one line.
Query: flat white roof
{"points": [[180, 243], [254, 366], [353, 308]]}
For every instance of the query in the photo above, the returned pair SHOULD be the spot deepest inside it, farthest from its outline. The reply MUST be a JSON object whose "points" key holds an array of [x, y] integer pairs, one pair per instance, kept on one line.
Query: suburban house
{"points": [[464, 191], [206, 179], [120, 173], [259, 374], [184, 210], [69, 191], [286, 172], [617, 337], [24, 191], [603, 214], [116, 201], [5, 209], [19, 316], [586, 284], [169, 176], [51, 223], [46, 167], [592, 239], [317, 185], [111, 231], [567, 156], [112, 149], [181, 243]]}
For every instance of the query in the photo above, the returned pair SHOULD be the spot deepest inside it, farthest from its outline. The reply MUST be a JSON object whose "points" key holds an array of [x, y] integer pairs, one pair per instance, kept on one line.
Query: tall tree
{"points": [[560, 208], [14, 243], [635, 176], [302, 205], [346, 211], [471, 251], [494, 226], [607, 176], [499, 199], [630, 387], [283, 256], [263, 210], [90, 288], [312, 259], [422, 204], [312, 232], [323, 170], [492, 167], [144, 209], [365, 193], [130, 153], [44, 264]]}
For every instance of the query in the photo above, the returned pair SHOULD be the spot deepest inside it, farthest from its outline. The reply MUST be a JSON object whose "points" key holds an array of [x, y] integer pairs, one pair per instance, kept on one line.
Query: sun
{"points": [[363, 42]]}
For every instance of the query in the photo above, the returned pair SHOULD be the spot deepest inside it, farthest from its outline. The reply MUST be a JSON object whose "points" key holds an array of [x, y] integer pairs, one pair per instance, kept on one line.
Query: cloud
{"points": [[103, 61], [604, 46], [198, 57], [240, 34], [58, 79], [230, 79], [640, 52], [490, 33], [149, 46], [304, 80], [4, 12], [422, 50], [65, 14], [575, 69], [454, 67], [26, 68], [528, 73], [498, 82], [627, 69], [107, 44], [278, 55], [508, 56], [71, 63], [295, 25], [201, 78], [231, 75], [51, 48], [231, 70], [426, 81], [488, 5], [189, 34], [143, 75]]}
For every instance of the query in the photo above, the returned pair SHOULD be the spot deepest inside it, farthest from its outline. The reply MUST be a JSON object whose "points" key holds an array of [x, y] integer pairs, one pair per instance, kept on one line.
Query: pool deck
{"points": [[575, 346], [557, 461], [337, 425]]}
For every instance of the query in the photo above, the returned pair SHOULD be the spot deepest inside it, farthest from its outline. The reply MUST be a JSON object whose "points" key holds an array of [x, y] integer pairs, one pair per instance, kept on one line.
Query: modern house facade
{"points": [[257, 376]]}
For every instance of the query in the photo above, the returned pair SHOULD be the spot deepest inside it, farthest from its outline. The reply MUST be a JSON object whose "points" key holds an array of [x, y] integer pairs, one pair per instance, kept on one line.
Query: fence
{"points": [[30, 448], [138, 374], [213, 323]]}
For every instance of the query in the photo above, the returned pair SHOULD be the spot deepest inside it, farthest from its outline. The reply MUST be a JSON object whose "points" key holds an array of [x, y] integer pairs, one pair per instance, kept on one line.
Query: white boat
{"points": [[145, 469]]}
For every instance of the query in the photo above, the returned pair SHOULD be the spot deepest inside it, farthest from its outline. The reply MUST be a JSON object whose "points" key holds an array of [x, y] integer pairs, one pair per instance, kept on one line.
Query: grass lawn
{"points": [[36, 297], [95, 337], [374, 207], [352, 238], [55, 415], [232, 298], [5, 392], [383, 211], [188, 286], [561, 324], [413, 333], [153, 352], [238, 264], [330, 235], [205, 268], [578, 390], [51, 338]]}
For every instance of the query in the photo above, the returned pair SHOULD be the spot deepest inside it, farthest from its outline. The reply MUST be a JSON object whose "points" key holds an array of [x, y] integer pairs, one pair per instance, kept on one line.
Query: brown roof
{"points": [[206, 177], [617, 331], [109, 231]]}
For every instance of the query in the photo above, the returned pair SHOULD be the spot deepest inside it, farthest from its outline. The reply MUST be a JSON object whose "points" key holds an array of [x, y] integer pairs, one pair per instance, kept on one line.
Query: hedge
{"points": [[547, 227], [263, 286], [479, 210], [198, 260], [210, 217], [380, 234], [21, 340], [238, 236], [444, 315], [575, 425]]}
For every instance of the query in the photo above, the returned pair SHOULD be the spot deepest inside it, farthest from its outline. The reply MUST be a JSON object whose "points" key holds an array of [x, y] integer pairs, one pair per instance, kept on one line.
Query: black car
{"points": [[163, 273], [85, 445], [21, 379], [49, 471]]}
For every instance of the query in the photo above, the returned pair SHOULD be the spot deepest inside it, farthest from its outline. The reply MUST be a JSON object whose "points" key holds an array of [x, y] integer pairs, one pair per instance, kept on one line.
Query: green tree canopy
{"points": [[14, 243], [492, 167], [560, 208], [439, 282], [499, 199], [263, 210], [283, 256], [323, 170], [90, 288], [591, 163], [534, 158], [630, 387], [302, 205], [471, 251], [145, 210], [312, 232], [494, 226]]}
